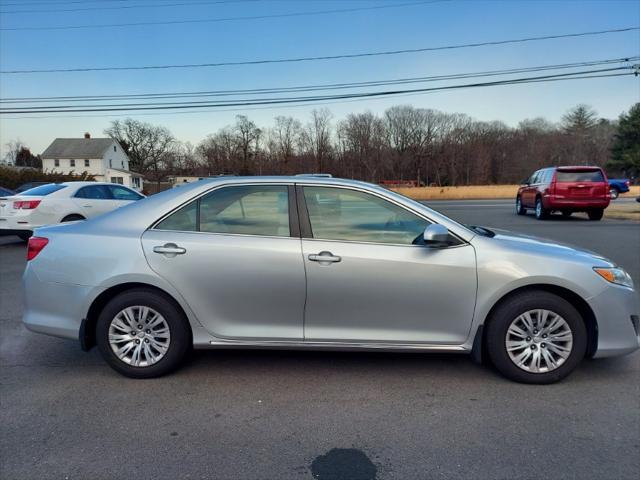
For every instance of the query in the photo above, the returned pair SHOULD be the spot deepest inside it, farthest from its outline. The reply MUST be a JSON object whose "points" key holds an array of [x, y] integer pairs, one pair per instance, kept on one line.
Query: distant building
{"points": [[177, 181], [103, 158]]}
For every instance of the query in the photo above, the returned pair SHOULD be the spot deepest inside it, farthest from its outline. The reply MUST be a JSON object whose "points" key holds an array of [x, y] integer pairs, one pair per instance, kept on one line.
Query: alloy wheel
{"points": [[139, 336], [539, 341]]}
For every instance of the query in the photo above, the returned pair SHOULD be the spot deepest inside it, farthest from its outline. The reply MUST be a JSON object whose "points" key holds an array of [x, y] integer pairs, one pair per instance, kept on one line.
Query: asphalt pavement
{"points": [[279, 415]]}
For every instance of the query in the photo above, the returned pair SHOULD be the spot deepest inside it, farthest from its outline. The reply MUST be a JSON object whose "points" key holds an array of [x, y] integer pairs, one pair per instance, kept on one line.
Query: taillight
{"points": [[35, 246], [26, 204]]}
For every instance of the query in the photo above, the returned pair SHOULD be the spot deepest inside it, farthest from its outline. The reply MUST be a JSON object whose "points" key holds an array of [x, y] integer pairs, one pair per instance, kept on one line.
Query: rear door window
{"points": [[95, 192], [579, 176], [242, 209]]}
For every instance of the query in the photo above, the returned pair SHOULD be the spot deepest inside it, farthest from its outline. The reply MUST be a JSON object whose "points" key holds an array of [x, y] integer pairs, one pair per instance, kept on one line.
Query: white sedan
{"points": [[60, 202]]}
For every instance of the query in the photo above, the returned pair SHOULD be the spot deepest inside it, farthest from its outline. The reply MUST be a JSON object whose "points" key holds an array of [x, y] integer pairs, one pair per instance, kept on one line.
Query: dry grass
{"points": [[473, 192], [628, 211]]}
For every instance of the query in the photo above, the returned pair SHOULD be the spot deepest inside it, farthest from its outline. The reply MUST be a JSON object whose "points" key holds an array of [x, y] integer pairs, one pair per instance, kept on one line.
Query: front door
{"points": [[529, 192], [232, 256], [370, 278]]}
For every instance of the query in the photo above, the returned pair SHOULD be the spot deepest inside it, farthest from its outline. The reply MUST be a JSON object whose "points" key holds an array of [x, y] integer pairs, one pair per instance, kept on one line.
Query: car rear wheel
{"points": [[541, 212], [536, 337], [595, 214], [614, 192], [142, 334], [520, 210]]}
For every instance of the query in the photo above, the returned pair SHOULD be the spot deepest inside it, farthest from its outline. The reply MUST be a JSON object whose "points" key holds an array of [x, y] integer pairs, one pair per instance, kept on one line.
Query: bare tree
{"points": [[283, 138], [316, 137], [248, 134], [13, 148], [148, 146]]}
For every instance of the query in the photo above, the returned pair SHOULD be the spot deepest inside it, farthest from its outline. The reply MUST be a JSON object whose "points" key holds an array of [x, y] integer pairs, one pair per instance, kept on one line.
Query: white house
{"points": [[103, 158]]}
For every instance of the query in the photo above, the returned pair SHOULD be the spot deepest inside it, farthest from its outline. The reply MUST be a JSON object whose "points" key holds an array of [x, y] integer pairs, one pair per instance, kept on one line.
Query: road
{"points": [[280, 415]]}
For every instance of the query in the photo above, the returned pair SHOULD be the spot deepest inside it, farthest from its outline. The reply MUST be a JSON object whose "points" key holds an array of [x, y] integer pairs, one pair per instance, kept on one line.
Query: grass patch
{"points": [[625, 212], [474, 192]]}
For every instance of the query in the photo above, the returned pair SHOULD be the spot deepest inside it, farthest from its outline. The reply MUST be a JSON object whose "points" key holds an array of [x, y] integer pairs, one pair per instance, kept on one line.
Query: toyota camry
{"points": [[320, 263]]}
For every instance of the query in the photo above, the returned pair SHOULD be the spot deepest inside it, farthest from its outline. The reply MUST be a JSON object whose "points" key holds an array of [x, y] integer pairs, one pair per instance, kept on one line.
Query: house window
{"points": [[122, 162], [114, 148], [135, 181], [72, 163], [86, 162], [56, 163], [110, 163], [119, 180]]}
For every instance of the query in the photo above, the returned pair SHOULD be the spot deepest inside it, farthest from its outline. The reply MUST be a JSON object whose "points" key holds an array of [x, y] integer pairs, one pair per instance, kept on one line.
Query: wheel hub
{"points": [[539, 341], [139, 336]]}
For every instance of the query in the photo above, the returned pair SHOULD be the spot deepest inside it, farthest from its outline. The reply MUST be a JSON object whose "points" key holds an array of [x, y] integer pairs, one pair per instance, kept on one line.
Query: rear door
{"points": [[581, 184], [234, 255], [94, 200]]}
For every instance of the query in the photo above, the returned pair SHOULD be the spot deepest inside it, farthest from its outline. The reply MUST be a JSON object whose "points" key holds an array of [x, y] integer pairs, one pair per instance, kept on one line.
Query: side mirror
{"points": [[436, 235]]}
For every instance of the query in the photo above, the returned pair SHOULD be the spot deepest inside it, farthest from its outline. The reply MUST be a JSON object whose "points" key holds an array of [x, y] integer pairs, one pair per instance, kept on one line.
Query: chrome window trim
{"points": [[285, 183]]}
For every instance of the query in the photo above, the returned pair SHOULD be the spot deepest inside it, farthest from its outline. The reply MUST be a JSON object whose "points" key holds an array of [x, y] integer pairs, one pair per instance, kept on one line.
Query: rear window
{"points": [[43, 190], [579, 176]]}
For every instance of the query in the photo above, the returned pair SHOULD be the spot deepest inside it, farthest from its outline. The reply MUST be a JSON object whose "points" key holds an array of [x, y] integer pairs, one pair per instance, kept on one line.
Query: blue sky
{"points": [[425, 25]]}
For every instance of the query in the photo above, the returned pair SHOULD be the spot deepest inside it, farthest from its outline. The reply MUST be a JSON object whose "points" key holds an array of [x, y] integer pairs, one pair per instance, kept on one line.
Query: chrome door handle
{"points": [[86, 206], [169, 249], [324, 257]]}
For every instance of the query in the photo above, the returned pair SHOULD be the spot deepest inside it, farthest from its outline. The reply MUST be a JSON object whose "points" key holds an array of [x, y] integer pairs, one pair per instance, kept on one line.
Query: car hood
{"points": [[540, 245]]}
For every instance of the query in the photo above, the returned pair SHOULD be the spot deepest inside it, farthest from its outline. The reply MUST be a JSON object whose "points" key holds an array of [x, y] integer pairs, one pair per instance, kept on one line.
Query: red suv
{"points": [[565, 190]]}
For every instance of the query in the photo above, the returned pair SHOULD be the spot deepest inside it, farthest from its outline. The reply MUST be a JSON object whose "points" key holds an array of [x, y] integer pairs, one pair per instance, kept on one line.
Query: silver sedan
{"points": [[320, 263]]}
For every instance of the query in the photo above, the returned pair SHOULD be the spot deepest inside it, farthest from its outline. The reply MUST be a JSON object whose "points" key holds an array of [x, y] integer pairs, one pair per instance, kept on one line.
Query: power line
{"points": [[121, 7], [288, 106], [225, 19], [316, 87], [275, 101], [325, 57]]}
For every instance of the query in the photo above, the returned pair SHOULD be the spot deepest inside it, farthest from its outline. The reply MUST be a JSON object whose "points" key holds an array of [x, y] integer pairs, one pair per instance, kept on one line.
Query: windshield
{"points": [[43, 190]]}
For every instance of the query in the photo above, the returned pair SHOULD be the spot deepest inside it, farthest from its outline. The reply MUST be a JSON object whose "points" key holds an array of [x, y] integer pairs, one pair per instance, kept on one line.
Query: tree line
{"points": [[404, 144]]}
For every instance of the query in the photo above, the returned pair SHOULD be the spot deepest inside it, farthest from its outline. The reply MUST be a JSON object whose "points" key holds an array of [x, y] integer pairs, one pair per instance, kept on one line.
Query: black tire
{"points": [[596, 214], [507, 311], [520, 210], [566, 213], [25, 236], [541, 212], [72, 218], [614, 192], [180, 342]]}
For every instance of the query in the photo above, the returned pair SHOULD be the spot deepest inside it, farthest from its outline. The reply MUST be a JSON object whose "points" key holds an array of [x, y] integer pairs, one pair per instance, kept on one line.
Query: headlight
{"points": [[615, 275]]}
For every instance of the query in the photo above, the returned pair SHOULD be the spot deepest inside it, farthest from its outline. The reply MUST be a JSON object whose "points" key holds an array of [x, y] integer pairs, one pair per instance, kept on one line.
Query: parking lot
{"points": [[276, 415]]}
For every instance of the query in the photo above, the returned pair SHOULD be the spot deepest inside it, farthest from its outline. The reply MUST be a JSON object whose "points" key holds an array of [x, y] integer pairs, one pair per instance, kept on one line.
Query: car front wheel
{"points": [[536, 337], [142, 334]]}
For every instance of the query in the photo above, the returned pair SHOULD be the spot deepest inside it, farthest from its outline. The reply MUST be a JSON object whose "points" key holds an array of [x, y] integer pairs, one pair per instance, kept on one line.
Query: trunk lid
{"points": [[581, 183]]}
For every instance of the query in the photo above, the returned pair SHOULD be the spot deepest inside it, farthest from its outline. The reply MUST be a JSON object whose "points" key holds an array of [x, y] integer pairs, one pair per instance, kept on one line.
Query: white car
{"points": [[60, 202]]}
